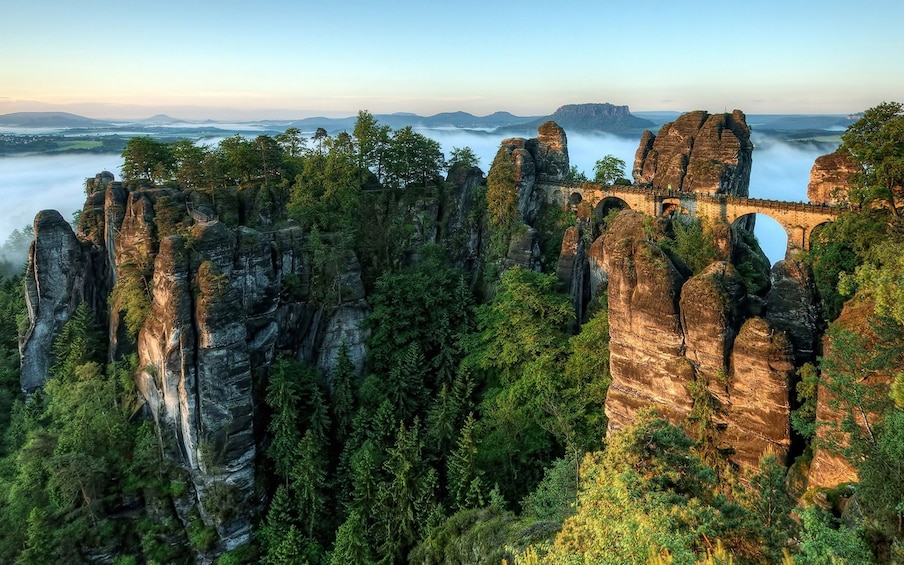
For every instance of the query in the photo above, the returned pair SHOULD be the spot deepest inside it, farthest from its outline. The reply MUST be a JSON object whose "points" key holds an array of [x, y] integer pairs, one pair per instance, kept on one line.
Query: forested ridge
{"points": [[477, 433]]}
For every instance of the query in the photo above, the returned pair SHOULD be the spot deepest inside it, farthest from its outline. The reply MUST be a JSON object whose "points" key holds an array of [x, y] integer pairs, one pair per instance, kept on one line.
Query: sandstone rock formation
{"points": [[830, 465], [570, 269], [646, 342], [226, 299], [679, 345], [830, 178], [61, 273], [792, 306], [697, 152], [542, 157], [756, 409]]}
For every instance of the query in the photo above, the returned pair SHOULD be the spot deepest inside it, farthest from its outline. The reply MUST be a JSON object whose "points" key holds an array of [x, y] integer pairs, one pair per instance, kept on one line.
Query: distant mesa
{"points": [[594, 117], [162, 119]]}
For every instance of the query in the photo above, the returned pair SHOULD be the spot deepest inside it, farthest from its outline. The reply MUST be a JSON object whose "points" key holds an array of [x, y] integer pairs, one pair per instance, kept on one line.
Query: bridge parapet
{"points": [[799, 219]]}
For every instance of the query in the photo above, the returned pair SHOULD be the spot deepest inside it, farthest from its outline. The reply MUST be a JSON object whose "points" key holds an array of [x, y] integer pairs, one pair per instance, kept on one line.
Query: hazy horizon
{"points": [[114, 113]]}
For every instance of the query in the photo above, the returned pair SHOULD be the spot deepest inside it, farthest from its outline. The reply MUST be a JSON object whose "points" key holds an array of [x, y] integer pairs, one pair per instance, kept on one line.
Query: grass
{"points": [[78, 145]]}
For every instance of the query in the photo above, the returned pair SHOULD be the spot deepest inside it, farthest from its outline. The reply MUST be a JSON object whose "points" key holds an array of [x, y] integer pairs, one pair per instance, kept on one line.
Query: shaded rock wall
{"points": [[61, 273], [220, 310]]}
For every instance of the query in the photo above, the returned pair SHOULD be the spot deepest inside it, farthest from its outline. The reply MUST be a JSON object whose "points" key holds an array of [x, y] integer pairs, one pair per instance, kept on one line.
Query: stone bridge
{"points": [[798, 219]]}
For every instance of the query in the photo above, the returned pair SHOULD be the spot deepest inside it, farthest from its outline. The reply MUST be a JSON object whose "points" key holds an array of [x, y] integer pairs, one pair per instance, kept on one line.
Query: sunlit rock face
{"points": [[646, 342], [830, 178], [756, 410], [695, 346], [697, 152]]}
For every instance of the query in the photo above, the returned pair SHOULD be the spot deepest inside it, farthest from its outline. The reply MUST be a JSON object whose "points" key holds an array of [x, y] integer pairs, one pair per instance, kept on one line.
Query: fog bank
{"points": [[35, 183]]}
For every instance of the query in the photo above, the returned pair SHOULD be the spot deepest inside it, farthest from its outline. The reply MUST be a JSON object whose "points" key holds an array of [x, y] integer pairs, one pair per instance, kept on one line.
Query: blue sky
{"points": [[234, 60]]}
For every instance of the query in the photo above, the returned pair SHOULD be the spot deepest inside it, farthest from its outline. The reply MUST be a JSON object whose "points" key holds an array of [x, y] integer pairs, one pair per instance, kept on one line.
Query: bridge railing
{"points": [[829, 209]]}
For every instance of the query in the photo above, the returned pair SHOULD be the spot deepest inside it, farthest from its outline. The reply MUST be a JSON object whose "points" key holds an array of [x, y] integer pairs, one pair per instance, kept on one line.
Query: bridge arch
{"points": [[605, 206], [772, 236]]}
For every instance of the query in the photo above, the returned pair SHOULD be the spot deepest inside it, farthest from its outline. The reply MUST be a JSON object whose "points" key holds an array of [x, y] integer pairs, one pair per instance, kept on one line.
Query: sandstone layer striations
{"points": [[697, 152], [715, 352], [830, 178]]}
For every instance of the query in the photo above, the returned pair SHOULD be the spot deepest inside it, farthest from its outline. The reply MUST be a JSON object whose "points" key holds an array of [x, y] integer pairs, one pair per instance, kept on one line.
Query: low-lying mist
{"points": [[781, 171], [34, 183]]}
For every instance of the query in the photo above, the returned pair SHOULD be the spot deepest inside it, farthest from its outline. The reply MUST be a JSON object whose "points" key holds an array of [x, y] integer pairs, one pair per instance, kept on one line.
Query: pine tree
{"points": [[465, 478]]}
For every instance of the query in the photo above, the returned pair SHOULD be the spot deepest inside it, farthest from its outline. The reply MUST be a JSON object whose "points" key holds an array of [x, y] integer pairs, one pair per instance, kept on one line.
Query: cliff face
{"points": [[687, 346], [225, 299], [543, 157], [697, 152], [218, 317], [61, 273], [645, 339], [231, 283], [830, 178], [840, 408]]}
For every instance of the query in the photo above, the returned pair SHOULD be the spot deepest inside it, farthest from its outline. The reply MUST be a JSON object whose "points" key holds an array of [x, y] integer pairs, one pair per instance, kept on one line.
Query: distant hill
{"points": [[459, 120], [49, 120], [593, 117], [574, 118]]}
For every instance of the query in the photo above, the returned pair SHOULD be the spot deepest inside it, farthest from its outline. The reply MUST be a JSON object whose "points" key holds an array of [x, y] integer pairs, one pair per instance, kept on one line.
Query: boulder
{"points": [[830, 178]]}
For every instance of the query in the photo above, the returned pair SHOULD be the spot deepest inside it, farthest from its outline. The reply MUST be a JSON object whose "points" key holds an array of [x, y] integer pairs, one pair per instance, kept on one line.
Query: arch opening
{"points": [[771, 235], [672, 206], [610, 205]]}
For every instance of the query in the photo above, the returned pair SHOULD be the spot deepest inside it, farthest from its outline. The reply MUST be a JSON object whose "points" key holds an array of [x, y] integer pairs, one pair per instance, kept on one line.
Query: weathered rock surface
{"points": [[711, 312], [598, 277], [461, 227], [756, 410], [697, 152], [542, 157], [670, 336], [571, 272], [792, 306], [646, 342], [226, 299], [61, 273], [830, 178], [524, 250]]}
